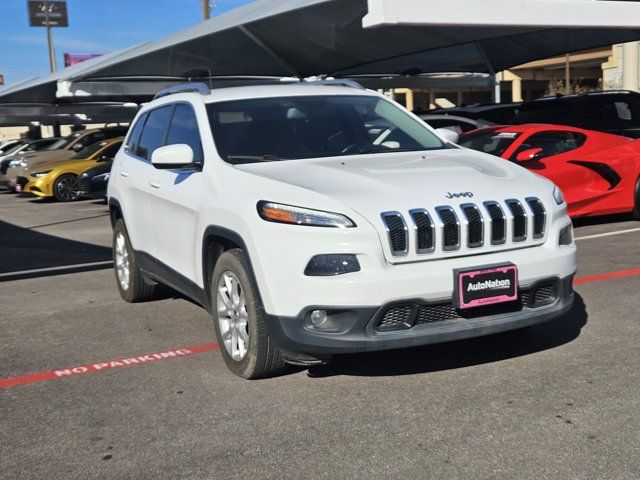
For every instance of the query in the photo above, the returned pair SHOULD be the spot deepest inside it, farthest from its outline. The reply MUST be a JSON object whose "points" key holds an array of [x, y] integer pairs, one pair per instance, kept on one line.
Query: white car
{"points": [[316, 219]]}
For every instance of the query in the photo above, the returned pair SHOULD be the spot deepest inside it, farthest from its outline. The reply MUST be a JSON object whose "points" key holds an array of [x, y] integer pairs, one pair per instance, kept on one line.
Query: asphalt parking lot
{"points": [[560, 400]]}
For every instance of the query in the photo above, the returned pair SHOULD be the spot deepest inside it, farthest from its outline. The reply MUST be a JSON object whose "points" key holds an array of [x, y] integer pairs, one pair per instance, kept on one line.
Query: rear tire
{"points": [[66, 188], [636, 208], [239, 320], [131, 284]]}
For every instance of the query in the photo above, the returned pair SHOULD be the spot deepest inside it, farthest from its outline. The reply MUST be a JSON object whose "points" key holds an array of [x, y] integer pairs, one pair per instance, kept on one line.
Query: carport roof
{"points": [[301, 38]]}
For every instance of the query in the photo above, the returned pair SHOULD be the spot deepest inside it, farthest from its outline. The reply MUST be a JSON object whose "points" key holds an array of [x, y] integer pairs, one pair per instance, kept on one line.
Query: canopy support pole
{"points": [[496, 81], [269, 51]]}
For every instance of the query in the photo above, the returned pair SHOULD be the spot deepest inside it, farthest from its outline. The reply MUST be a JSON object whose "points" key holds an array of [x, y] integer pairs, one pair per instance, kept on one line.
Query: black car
{"points": [[93, 182], [615, 112]]}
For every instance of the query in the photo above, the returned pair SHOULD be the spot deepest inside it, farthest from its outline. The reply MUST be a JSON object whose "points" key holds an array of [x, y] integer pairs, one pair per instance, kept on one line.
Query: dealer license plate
{"points": [[489, 285]]}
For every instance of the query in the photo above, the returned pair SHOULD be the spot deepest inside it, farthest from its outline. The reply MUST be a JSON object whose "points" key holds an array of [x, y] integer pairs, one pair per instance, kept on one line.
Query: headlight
{"points": [[18, 163], [557, 195], [276, 212], [40, 174]]}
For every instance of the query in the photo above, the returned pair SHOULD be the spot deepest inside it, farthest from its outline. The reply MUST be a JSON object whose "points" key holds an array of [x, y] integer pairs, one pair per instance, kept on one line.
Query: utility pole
{"points": [[52, 51], [206, 9]]}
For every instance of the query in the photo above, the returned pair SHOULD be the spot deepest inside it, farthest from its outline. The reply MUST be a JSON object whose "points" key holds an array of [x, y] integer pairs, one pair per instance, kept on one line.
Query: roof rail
{"points": [[343, 82], [200, 88]]}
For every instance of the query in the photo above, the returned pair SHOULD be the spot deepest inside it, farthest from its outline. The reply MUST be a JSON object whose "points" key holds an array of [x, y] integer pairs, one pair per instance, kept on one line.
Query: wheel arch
{"points": [[115, 211], [215, 241]]}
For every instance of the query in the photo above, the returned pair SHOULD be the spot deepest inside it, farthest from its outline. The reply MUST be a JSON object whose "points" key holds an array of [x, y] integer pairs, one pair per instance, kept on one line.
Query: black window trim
{"points": [[131, 151]]}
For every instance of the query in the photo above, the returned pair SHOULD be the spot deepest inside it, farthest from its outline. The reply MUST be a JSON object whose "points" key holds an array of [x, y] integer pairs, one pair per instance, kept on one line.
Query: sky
{"points": [[95, 26]]}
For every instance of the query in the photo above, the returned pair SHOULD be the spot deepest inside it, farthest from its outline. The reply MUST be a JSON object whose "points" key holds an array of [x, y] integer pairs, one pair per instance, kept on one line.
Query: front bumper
{"points": [[302, 344]]}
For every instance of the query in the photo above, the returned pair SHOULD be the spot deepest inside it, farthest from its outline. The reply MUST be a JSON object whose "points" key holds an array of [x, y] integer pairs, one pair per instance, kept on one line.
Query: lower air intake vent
{"points": [[397, 231], [450, 228]]}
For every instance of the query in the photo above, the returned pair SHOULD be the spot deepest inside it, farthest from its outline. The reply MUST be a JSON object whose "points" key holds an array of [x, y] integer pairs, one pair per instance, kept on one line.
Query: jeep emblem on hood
{"points": [[459, 195]]}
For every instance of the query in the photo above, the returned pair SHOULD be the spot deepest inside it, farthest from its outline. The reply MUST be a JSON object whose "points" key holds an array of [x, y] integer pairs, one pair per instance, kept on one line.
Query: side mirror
{"points": [[529, 154], [174, 156], [448, 135], [77, 147]]}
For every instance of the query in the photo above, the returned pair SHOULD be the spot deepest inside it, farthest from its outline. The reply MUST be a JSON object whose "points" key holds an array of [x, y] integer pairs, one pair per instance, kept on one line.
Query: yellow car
{"points": [[59, 179]]}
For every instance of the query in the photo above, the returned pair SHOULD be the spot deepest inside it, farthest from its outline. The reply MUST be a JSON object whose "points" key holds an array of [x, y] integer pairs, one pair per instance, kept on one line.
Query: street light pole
{"points": [[52, 52], [206, 9]]}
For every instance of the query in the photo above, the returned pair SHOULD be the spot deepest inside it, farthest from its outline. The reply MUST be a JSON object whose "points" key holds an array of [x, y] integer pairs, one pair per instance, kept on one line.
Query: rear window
{"points": [[489, 141]]}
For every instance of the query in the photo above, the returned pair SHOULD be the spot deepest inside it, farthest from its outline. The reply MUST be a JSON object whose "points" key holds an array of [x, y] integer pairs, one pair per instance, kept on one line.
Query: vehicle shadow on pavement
{"points": [[463, 353], [23, 249], [602, 220]]}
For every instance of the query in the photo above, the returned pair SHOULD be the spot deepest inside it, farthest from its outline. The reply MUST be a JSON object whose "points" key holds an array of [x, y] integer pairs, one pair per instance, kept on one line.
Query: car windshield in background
{"points": [[59, 143], [43, 144], [88, 151], [489, 141], [271, 129]]}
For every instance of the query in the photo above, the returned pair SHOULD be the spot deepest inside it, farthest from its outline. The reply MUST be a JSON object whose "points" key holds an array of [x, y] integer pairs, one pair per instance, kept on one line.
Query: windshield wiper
{"points": [[252, 158]]}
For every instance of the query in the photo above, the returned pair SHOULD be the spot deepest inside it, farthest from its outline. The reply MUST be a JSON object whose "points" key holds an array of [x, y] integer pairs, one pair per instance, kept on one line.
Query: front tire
{"points": [[239, 320], [66, 188], [636, 209], [131, 284]]}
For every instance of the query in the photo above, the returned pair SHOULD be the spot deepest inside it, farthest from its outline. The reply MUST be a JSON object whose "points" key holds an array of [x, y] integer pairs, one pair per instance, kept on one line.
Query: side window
{"points": [[110, 151], [92, 138], [153, 132], [184, 129], [552, 143], [134, 136]]}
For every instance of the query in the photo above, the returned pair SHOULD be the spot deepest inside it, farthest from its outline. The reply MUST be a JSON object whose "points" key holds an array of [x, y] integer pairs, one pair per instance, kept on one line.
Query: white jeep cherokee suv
{"points": [[316, 219]]}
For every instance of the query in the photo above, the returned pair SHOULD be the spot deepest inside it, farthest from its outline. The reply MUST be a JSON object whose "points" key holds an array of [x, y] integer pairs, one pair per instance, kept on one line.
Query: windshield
{"points": [[289, 128], [67, 140], [488, 141], [38, 145], [13, 149], [58, 143], [88, 151]]}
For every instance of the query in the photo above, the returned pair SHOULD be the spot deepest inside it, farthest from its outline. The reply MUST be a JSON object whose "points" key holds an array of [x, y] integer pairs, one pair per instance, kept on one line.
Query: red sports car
{"points": [[599, 173]]}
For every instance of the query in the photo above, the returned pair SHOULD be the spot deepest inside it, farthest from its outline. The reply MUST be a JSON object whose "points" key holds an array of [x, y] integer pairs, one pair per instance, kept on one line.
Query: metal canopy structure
{"points": [[267, 40]]}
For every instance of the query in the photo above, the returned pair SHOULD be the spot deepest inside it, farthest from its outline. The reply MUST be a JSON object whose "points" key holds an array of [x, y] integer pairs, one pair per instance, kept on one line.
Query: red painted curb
{"points": [[607, 276]]}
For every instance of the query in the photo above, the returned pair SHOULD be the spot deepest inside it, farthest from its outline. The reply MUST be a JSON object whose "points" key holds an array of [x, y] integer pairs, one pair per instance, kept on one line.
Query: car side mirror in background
{"points": [[174, 156], [77, 147], [529, 154], [448, 135]]}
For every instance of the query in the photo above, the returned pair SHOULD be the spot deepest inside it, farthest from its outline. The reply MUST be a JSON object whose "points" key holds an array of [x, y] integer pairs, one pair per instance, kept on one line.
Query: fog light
{"points": [[330, 265], [325, 321], [318, 318]]}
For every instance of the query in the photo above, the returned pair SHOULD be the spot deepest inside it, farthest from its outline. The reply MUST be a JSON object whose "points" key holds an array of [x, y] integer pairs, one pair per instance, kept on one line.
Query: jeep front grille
{"points": [[450, 229]]}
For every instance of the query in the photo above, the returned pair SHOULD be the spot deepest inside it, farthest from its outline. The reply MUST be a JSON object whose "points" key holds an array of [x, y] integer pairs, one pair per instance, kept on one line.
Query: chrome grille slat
{"points": [[397, 233], [498, 221], [450, 228], [539, 216], [475, 225], [425, 231], [519, 220]]}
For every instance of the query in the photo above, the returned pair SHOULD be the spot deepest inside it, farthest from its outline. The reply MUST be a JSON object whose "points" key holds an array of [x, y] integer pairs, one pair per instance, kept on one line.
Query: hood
{"points": [[47, 156], [373, 184], [36, 167]]}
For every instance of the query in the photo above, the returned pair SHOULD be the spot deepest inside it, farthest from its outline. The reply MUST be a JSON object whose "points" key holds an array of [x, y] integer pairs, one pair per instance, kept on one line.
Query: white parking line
{"points": [[53, 269], [608, 234]]}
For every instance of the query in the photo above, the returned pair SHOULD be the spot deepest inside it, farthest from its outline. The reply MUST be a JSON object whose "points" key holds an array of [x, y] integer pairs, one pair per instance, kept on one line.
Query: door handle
{"points": [[155, 184], [124, 173]]}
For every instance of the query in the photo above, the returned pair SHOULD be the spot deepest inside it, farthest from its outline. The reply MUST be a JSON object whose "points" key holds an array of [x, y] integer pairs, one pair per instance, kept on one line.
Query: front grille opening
{"points": [[425, 231], [539, 217], [450, 230], [498, 223], [519, 220], [397, 231], [408, 315], [475, 229]]}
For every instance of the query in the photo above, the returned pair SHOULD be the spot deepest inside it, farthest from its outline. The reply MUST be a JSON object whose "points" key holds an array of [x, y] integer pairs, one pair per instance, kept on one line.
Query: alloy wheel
{"points": [[122, 261], [233, 318], [68, 188]]}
